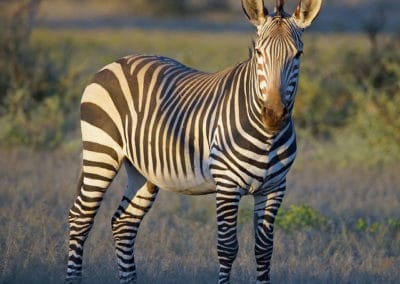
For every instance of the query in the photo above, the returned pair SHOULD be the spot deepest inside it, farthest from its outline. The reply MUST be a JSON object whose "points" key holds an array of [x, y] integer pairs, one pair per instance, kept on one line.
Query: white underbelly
{"points": [[190, 189], [193, 183], [188, 185]]}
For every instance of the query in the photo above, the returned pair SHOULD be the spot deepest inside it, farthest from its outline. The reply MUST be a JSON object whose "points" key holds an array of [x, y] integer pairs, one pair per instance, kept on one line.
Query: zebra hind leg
{"points": [[126, 221], [100, 165], [265, 209]]}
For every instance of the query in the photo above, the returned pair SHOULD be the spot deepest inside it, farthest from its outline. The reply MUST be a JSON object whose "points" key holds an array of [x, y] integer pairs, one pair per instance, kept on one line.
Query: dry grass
{"points": [[176, 243]]}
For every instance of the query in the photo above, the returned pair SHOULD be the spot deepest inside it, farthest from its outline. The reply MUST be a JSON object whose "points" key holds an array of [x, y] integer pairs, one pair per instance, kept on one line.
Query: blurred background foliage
{"points": [[35, 84], [349, 93]]}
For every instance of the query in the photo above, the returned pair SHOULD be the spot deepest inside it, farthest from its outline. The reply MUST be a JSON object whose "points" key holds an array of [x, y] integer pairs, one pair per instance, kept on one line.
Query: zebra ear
{"points": [[306, 12], [255, 11]]}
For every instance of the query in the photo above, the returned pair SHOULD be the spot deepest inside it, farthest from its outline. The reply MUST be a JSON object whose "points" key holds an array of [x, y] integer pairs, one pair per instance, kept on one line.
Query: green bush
{"points": [[323, 105], [365, 226], [394, 225], [362, 88], [300, 217], [294, 218], [356, 90], [35, 97], [377, 77]]}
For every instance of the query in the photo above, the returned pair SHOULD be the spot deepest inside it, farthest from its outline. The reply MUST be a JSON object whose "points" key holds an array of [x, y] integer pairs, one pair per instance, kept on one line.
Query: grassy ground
{"points": [[176, 243], [358, 199]]}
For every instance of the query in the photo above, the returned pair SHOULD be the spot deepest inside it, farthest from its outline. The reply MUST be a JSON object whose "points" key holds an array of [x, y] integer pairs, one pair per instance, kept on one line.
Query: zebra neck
{"points": [[255, 98], [241, 107]]}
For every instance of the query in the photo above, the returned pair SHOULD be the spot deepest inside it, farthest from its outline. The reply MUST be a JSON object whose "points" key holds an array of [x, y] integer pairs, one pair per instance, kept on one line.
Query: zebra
{"points": [[229, 133]]}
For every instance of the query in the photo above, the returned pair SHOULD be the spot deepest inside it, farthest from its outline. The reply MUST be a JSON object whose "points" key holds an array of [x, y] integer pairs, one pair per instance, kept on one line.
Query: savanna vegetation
{"points": [[340, 220]]}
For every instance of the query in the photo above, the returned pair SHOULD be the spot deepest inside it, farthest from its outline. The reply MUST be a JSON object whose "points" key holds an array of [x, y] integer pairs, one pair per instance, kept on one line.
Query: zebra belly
{"points": [[199, 189], [191, 184]]}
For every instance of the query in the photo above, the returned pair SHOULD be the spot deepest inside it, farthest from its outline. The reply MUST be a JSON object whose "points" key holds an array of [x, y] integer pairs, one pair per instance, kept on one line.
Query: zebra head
{"points": [[277, 51]]}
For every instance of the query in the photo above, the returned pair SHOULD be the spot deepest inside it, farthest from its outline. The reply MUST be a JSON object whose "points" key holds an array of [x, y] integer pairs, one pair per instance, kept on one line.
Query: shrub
{"points": [[300, 217], [394, 225], [34, 98], [323, 105], [365, 226], [359, 94], [377, 77]]}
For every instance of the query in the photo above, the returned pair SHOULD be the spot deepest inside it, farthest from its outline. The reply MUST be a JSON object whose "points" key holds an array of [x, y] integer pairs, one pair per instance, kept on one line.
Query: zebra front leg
{"points": [[227, 244], [125, 225], [265, 209]]}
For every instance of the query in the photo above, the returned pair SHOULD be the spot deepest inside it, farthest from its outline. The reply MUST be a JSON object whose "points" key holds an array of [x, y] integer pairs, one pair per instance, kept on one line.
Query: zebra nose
{"points": [[279, 110], [275, 116]]}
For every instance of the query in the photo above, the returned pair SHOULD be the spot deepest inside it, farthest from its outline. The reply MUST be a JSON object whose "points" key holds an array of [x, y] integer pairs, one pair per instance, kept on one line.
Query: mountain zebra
{"points": [[187, 131]]}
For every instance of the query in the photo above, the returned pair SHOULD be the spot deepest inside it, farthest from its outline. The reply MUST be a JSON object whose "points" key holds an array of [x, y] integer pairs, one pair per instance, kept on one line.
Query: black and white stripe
{"points": [[192, 132]]}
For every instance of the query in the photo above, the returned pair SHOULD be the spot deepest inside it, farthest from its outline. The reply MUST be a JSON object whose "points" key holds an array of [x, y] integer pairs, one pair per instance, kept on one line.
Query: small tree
{"points": [[373, 26], [32, 84]]}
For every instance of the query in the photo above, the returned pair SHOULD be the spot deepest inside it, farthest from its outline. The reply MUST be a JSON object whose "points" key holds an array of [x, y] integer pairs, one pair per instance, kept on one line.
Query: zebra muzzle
{"points": [[275, 118]]}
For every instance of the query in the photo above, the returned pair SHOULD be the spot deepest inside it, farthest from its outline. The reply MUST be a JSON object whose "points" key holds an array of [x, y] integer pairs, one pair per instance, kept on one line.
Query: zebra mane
{"points": [[279, 5], [279, 9]]}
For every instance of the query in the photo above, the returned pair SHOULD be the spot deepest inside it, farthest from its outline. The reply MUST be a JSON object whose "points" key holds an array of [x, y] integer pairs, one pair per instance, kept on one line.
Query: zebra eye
{"points": [[258, 51]]}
